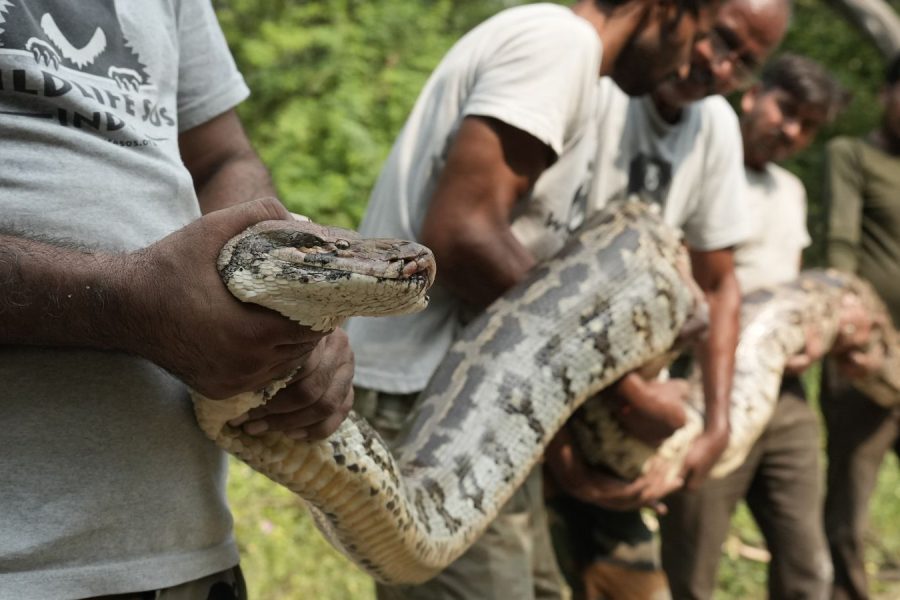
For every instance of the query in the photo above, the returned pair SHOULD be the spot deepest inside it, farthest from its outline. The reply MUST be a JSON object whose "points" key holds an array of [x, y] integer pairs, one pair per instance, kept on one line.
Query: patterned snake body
{"points": [[614, 298], [774, 327]]}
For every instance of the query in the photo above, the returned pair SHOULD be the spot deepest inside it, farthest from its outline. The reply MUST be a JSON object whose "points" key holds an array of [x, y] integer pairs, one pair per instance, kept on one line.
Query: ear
{"points": [[748, 100]]}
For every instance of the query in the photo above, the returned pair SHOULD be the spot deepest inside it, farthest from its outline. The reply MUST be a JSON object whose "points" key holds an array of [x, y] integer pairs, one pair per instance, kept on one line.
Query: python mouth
{"points": [[418, 268]]}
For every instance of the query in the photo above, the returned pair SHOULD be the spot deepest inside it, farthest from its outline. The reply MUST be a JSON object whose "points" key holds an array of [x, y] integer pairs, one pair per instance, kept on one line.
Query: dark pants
{"points": [[605, 554], [860, 433], [227, 585], [780, 480]]}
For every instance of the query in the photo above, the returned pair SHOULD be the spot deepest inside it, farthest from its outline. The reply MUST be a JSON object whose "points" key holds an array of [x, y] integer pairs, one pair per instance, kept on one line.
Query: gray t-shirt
{"points": [[106, 483], [533, 67]]}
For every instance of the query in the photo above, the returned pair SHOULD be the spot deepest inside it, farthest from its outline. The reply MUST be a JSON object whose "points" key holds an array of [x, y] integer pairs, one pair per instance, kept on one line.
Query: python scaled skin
{"points": [[615, 297], [774, 327]]}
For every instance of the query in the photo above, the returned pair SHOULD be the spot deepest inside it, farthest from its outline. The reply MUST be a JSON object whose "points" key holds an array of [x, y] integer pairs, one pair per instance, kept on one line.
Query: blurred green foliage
{"points": [[332, 83]]}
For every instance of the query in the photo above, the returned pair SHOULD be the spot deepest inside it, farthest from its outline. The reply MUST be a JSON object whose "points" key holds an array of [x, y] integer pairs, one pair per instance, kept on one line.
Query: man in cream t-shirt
{"points": [[780, 478], [486, 170], [777, 202], [692, 169], [680, 148]]}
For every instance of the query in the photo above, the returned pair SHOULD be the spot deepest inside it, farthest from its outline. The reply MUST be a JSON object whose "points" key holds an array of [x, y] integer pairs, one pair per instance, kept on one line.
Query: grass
{"points": [[285, 558]]}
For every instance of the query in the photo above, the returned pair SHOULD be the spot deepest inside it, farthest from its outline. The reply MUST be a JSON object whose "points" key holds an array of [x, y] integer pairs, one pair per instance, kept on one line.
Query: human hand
{"points": [[856, 354], [813, 350], [855, 328], [859, 364], [184, 319], [316, 401], [651, 410], [579, 480], [702, 456]]}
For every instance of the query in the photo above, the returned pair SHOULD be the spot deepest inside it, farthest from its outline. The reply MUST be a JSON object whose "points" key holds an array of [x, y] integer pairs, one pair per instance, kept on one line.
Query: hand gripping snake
{"points": [[616, 296]]}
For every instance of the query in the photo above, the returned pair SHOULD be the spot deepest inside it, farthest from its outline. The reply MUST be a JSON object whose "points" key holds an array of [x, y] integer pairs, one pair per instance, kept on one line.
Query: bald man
{"points": [[679, 147]]}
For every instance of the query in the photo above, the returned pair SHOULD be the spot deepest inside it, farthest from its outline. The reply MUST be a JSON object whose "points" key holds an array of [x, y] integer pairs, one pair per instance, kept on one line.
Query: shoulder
{"points": [[786, 181], [717, 117], [546, 24], [843, 147]]}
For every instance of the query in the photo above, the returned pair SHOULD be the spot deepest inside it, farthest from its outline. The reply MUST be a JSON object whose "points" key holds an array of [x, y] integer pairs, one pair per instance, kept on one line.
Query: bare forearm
{"points": [[225, 167], [481, 269], [237, 179], [716, 353], [56, 296]]}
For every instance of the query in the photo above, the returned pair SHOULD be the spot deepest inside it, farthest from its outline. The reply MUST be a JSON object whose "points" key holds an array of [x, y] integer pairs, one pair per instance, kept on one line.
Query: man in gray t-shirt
{"points": [[125, 169]]}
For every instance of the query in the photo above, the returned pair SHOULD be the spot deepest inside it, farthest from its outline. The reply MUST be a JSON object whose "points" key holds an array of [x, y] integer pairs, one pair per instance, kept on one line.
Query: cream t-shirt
{"points": [[771, 255], [533, 67], [693, 168]]}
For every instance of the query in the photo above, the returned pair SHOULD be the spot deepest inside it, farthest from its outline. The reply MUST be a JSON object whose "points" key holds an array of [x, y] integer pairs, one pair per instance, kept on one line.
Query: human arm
{"points": [[165, 303], [650, 410], [576, 478], [714, 272], [490, 166], [843, 202], [223, 164]]}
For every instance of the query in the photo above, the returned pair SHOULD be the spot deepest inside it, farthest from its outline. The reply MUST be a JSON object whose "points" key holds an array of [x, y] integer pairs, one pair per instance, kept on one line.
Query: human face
{"points": [[744, 34], [775, 125], [661, 49]]}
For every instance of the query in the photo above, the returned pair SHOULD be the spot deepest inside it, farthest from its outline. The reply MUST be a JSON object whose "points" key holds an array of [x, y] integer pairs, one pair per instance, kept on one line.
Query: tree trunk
{"points": [[877, 21]]}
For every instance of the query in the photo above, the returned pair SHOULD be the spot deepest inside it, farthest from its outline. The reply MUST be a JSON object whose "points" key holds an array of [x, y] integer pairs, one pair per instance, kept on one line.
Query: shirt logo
{"points": [[649, 177], [73, 63]]}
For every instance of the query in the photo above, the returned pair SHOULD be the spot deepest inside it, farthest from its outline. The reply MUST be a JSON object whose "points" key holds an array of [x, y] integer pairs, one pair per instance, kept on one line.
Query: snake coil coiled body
{"points": [[615, 297]]}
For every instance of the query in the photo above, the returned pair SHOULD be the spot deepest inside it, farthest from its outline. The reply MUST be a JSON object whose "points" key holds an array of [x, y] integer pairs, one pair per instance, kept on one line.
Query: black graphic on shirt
{"points": [[72, 63], [84, 36], [649, 177]]}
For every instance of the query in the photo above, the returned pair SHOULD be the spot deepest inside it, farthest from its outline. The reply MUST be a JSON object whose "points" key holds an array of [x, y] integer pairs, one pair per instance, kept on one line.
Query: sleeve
{"points": [[209, 82], [843, 204], [540, 80], [722, 218], [802, 234]]}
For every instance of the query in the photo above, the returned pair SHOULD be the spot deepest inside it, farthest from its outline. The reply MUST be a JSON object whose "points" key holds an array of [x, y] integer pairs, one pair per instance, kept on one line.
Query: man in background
{"points": [[678, 147], [863, 199], [485, 172], [779, 479]]}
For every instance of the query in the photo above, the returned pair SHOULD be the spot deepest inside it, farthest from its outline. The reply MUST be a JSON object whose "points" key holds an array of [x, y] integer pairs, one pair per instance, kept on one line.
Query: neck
{"points": [[754, 164], [615, 25], [670, 111]]}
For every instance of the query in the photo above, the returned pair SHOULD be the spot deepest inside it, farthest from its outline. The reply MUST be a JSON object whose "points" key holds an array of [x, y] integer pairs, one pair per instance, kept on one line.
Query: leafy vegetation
{"points": [[333, 81]]}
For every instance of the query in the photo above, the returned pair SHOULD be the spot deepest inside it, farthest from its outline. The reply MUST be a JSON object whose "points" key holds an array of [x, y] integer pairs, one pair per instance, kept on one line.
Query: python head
{"points": [[318, 275]]}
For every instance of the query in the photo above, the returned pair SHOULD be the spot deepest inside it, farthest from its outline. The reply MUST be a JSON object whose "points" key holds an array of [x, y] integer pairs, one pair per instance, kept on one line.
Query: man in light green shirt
{"points": [[863, 199]]}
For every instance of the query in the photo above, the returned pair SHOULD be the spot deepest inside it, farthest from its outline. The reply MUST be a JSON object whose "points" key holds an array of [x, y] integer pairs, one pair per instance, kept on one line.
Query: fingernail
{"points": [[256, 427], [238, 421], [300, 434]]}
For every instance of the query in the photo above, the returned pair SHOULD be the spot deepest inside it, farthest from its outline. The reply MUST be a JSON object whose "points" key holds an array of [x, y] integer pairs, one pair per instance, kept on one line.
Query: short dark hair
{"points": [[892, 73], [689, 6], [808, 82]]}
